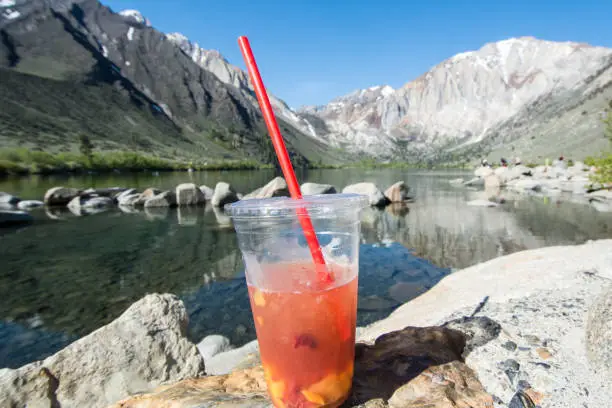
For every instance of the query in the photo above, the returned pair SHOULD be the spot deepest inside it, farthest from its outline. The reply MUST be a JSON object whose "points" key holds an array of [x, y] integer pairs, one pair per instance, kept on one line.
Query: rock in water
{"points": [[150, 192], [60, 195], [398, 192], [483, 172], [477, 181], [165, 199], [492, 181], [316, 189], [599, 333], [375, 196], [111, 192], [482, 203], [212, 345], [29, 204], [90, 203], [207, 191], [8, 200], [125, 193], [145, 347], [9, 217], [189, 194], [129, 199], [275, 188], [526, 185], [223, 194]]}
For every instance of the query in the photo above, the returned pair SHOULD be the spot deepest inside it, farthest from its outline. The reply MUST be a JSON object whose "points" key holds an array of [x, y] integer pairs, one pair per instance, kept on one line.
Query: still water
{"points": [[65, 276]]}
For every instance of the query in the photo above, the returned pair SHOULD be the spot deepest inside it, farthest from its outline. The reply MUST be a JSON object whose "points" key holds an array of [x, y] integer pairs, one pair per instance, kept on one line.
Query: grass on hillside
{"points": [[24, 161]]}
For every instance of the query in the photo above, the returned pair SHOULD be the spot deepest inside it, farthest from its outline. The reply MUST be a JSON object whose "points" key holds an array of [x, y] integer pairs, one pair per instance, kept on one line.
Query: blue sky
{"points": [[310, 52]]}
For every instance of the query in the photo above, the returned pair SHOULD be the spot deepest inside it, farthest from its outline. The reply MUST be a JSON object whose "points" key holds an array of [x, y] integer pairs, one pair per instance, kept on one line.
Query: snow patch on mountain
{"points": [[130, 34], [7, 3], [136, 16]]}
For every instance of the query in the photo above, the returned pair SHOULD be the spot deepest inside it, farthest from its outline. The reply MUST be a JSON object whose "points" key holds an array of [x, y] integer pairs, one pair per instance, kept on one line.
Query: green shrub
{"points": [[603, 165]]}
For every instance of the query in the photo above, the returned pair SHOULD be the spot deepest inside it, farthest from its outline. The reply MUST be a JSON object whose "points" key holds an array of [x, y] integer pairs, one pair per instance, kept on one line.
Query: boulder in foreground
{"points": [[399, 367], [145, 347], [540, 300]]}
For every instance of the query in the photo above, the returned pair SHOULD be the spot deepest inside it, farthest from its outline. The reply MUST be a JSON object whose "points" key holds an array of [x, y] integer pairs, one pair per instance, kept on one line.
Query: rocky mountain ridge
{"points": [[521, 96], [469, 98], [76, 67]]}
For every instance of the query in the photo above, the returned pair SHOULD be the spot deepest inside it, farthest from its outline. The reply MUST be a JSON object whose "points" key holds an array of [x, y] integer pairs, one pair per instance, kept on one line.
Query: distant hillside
{"points": [[69, 68]]}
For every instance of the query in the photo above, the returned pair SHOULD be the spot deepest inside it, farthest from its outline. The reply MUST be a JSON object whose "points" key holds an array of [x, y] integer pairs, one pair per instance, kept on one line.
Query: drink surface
{"points": [[306, 335]]}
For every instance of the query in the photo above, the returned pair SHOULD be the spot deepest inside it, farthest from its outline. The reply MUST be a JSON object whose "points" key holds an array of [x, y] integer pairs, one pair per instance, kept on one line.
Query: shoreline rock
{"points": [[143, 348], [546, 180], [540, 298]]}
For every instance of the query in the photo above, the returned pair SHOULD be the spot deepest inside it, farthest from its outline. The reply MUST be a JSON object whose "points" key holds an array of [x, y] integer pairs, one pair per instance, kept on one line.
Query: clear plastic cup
{"points": [[305, 325]]}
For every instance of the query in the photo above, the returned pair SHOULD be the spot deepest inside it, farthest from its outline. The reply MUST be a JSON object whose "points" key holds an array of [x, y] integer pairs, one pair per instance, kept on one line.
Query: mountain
{"points": [[213, 61], [519, 96], [69, 68]]}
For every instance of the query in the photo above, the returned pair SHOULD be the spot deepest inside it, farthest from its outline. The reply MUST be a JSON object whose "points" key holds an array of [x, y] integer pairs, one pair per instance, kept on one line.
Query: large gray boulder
{"points": [[165, 199], [375, 196], [275, 188], [317, 189], [189, 194], [60, 195], [145, 347], [223, 194]]}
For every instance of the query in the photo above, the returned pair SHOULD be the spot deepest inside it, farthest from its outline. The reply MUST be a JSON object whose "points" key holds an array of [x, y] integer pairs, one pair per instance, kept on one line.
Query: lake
{"points": [[65, 276]]}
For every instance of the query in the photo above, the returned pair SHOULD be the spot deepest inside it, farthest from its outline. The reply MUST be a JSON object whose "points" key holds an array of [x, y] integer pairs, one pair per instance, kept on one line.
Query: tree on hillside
{"points": [[86, 147]]}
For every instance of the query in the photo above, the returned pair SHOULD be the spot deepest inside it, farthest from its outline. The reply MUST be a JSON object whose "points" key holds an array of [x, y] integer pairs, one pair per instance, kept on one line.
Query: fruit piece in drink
{"points": [[308, 340]]}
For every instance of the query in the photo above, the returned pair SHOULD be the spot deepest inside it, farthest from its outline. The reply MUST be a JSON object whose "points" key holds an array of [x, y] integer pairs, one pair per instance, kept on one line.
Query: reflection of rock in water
{"points": [[448, 232], [78, 284], [187, 216], [223, 219], [156, 213]]}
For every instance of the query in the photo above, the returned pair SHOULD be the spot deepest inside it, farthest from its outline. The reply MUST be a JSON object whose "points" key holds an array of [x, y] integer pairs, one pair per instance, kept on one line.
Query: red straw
{"points": [[283, 156]]}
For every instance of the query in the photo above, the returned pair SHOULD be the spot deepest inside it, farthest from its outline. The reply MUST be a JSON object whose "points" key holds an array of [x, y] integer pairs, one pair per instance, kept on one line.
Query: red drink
{"points": [[306, 334]]}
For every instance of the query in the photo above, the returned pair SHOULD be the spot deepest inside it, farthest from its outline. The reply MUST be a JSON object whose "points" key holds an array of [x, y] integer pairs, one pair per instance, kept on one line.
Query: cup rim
{"points": [[283, 207]]}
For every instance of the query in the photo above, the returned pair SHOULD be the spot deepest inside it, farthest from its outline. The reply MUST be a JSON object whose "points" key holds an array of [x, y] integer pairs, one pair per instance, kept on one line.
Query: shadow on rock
{"points": [[413, 367], [397, 358]]}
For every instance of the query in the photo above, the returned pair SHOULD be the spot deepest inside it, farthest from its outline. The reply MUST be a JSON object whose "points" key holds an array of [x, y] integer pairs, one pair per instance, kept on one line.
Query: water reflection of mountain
{"points": [[445, 230]]}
